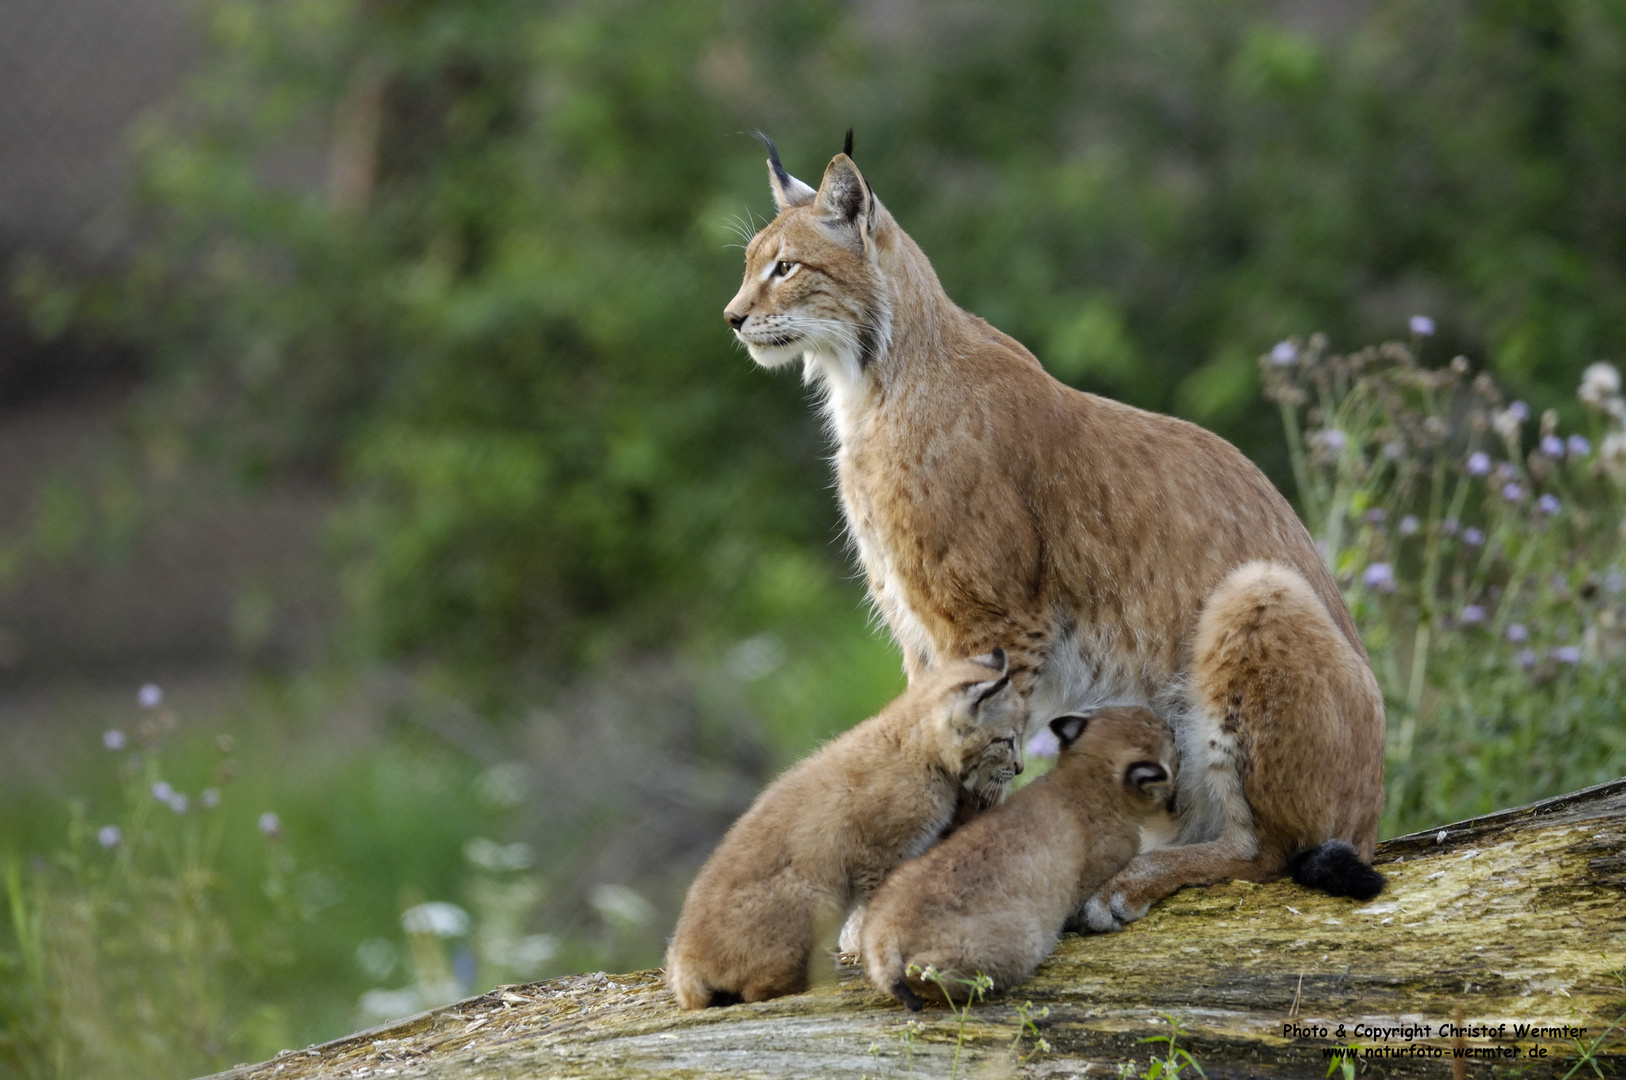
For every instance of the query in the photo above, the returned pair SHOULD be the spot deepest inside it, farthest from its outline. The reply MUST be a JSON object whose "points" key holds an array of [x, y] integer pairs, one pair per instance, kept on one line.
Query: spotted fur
{"points": [[1119, 556]]}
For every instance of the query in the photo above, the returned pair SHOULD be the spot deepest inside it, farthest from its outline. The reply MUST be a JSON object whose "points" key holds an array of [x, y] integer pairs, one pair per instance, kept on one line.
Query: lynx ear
{"points": [[1068, 728], [997, 660], [787, 190], [1150, 777], [844, 197]]}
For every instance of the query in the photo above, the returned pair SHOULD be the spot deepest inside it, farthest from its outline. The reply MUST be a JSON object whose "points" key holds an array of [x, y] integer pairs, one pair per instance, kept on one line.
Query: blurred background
{"points": [[404, 579]]}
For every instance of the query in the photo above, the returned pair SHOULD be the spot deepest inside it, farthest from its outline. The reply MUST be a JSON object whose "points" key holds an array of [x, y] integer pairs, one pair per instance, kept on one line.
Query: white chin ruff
{"points": [[777, 356]]}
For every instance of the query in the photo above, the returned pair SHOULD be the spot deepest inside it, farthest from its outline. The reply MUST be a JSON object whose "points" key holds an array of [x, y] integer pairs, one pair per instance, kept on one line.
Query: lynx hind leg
{"points": [[1282, 750]]}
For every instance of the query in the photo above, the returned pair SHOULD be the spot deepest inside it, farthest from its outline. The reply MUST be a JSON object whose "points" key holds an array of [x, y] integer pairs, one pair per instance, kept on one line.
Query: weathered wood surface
{"points": [[1514, 918]]}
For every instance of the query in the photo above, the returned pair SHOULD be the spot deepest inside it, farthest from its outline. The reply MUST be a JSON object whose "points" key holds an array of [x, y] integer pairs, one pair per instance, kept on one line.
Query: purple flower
{"points": [[1526, 658], [1044, 744], [109, 836], [1408, 525], [1567, 654], [1379, 576], [270, 824], [1512, 492], [1519, 410], [1449, 526], [1517, 632], [149, 696], [1377, 516], [1552, 446], [1479, 463], [1284, 353], [1548, 504], [210, 797], [1472, 615], [1333, 439], [114, 739], [1579, 446], [178, 802], [162, 791], [1422, 326], [1472, 537]]}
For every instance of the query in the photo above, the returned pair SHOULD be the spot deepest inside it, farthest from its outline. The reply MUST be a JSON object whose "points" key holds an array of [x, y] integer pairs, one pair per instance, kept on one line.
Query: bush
{"points": [[1480, 550]]}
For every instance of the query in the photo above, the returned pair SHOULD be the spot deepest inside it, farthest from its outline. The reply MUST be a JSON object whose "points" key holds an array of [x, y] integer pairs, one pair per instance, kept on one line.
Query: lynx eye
{"points": [[782, 268]]}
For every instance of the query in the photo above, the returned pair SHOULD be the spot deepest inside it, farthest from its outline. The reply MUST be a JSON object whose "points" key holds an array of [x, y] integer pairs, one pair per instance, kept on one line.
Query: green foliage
{"points": [[1483, 563], [203, 900], [471, 255]]}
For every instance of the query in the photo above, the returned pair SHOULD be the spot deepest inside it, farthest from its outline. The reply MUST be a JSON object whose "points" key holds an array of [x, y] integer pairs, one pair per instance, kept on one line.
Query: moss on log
{"points": [[1517, 918]]}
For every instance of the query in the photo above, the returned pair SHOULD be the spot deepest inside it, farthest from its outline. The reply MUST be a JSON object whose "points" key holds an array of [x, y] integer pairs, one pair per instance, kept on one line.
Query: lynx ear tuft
{"points": [[1068, 728], [847, 145], [787, 190]]}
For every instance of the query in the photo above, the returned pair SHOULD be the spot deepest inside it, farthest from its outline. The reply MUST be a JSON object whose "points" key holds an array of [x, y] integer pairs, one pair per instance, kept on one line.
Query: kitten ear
{"points": [[787, 190], [982, 691], [1150, 777], [997, 660], [1068, 728]]}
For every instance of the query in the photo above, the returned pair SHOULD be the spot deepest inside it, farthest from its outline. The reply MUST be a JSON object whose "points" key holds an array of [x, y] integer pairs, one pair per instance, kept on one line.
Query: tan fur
{"points": [[993, 506], [993, 898], [823, 835]]}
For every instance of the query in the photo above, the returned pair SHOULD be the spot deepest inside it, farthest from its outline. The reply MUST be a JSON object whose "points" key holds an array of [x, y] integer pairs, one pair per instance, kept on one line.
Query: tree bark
{"points": [[1516, 918]]}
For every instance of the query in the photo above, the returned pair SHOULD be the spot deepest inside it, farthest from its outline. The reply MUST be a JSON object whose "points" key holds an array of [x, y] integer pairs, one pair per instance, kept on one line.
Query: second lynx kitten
{"points": [[993, 897]]}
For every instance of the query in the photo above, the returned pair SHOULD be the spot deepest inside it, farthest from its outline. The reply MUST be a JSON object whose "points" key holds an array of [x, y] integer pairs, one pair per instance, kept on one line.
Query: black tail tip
{"points": [[723, 998], [1335, 868], [901, 991]]}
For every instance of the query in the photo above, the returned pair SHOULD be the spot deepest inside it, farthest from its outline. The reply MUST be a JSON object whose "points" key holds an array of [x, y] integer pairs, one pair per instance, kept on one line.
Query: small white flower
{"points": [[150, 696], [1599, 382], [109, 836], [1422, 326], [270, 824], [114, 740], [178, 802], [436, 917], [162, 791], [1284, 354], [1613, 453], [1510, 420], [210, 797]]}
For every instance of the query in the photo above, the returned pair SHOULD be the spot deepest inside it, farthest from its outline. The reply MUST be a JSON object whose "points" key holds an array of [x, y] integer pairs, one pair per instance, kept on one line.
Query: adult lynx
{"points": [[1118, 556]]}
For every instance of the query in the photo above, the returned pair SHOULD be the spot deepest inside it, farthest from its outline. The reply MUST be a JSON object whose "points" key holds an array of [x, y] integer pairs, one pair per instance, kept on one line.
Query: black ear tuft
{"points": [[1144, 774], [787, 190], [847, 146], [1068, 728], [773, 154]]}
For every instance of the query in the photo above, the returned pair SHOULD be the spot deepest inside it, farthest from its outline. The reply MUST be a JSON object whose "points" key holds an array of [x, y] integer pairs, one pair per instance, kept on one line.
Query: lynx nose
{"points": [[735, 321]]}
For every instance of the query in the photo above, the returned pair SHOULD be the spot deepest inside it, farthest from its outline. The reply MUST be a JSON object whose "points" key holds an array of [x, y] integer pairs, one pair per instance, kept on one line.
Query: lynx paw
{"points": [[1109, 911]]}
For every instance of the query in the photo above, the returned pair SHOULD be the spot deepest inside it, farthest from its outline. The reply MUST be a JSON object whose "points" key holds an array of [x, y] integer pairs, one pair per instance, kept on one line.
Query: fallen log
{"points": [[1498, 948]]}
